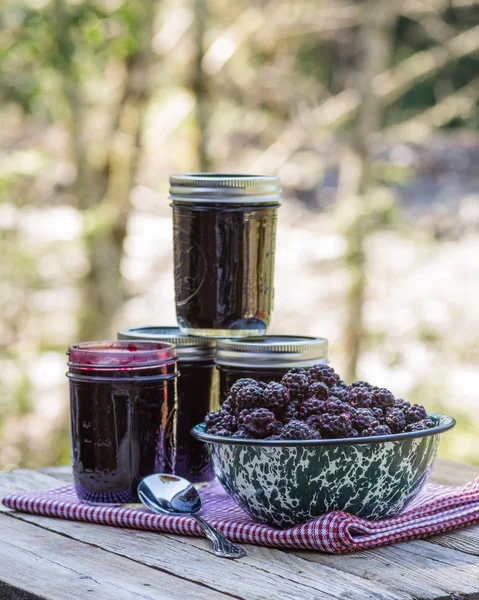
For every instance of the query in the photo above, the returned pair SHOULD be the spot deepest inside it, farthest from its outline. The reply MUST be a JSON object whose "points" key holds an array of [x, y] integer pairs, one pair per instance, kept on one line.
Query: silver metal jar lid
{"points": [[272, 351], [188, 347], [224, 188]]}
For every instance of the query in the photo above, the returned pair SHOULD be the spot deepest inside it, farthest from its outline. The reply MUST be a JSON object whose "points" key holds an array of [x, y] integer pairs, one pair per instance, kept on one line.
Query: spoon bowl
{"points": [[171, 495]]}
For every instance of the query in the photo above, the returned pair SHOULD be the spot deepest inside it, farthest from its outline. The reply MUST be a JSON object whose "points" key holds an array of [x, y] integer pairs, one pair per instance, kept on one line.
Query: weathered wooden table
{"points": [[63, 560]]}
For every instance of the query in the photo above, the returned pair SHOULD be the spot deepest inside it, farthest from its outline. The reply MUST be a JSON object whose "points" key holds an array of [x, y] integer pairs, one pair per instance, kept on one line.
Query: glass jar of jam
{"points": [[266, 358], [197, 394], [123, 415], [224, 245]]}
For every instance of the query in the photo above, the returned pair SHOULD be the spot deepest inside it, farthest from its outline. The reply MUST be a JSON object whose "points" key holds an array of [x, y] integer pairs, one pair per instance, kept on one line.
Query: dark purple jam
{"points": [[197, 394], [224, 268], [195, 400], [123, 412]]}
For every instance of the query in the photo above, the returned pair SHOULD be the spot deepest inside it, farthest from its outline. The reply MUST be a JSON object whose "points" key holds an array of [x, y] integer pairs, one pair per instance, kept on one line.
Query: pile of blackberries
{"points": [[312, 404]]}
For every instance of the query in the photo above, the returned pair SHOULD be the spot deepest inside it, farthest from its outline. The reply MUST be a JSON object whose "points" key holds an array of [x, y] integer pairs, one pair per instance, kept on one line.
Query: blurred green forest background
{"points": [[367, 110]]}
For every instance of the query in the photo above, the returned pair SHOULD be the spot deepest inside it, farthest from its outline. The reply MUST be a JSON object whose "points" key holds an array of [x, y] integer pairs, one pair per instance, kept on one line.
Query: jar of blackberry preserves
{"points": [[224, 244], [123, 416], [266, 358], [197, 394]]}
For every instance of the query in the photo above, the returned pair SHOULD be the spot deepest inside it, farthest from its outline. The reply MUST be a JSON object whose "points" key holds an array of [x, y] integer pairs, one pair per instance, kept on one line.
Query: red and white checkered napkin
{"points": [[437, 509]]}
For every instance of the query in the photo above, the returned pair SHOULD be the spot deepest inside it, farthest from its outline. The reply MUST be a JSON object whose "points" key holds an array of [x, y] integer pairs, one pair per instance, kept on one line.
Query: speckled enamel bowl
{"points": [[283, 483]]}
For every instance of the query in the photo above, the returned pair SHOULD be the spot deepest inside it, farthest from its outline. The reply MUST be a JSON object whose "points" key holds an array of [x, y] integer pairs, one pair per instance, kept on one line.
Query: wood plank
{"points": [[418, 568], [55, 567], [444, 472], [449, 472], [64, 473], [264, 573], [463, 540], [22, 480]]}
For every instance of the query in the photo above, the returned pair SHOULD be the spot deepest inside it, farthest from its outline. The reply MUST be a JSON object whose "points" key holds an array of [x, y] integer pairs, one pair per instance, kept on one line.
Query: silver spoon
{"points": [[172, 495]]}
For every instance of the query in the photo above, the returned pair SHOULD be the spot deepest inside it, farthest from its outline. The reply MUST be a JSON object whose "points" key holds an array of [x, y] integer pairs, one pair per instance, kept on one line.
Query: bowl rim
{"points": [[444, 423]]}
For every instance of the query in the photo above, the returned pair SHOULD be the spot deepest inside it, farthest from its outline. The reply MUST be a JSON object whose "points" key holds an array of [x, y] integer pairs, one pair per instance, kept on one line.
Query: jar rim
{"points": [[225, 188], [188, 347], [271, 351], [120, 353]]}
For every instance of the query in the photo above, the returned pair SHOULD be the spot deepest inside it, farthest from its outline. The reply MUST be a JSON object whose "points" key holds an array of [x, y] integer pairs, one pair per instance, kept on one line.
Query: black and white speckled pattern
{"points": [[287, 485]]}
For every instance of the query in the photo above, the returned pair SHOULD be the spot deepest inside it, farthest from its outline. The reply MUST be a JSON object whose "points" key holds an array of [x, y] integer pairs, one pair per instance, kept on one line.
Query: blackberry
{"points": [[415, 413], [260, 423], [323, 373], [378, 414], [333, 406], [346, 408], [290, 411], [382, 398], [402, 404], [212, 418], [241, 433], [368, 432], [395, 420], [229, 421], [216, 421], [354, 433], [297, 382], [359, 397], [382, 430], [298, 371], [239, 385], [364, 419], [276, 396], [318, 390], [243, 414], [311, 406], [249, 396], [342, 384], [335, 426], [228, 405], [421, 425], [362, 384], [339, 392], [296, 430], [314, 422], [222, 432]]}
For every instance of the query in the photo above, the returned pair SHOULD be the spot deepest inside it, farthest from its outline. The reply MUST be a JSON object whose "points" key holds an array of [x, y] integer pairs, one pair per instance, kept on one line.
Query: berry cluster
{"points": [[311, 404]]}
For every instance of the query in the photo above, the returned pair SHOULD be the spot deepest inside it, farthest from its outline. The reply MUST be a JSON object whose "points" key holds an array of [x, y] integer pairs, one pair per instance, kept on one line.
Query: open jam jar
{"points": [[224, 246], [123, 416], [266, 358], [197, 394]]}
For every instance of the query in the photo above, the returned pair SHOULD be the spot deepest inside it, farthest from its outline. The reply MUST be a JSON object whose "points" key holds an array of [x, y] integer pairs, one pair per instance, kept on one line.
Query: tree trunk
{"points": [[200, 87], [105, 194], [355, 178]]}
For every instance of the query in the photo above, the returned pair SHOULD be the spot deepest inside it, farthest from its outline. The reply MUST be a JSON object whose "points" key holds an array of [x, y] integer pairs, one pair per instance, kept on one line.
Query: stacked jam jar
{"points": [[135, 400]]}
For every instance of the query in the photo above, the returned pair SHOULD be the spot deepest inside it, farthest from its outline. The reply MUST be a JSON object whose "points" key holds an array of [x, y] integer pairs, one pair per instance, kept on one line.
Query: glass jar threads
{"points": [[123, 414], [266, 358], [224, 244], [197, 394]]}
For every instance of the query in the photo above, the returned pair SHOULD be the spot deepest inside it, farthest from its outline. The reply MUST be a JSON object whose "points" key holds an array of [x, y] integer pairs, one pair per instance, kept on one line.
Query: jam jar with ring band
{"points": [[123, 416], [266, 358], [197, 394], [224, 228]]}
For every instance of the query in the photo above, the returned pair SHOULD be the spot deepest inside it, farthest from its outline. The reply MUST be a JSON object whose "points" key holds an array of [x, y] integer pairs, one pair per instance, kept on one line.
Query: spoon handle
{"points": [[221, 546]]}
